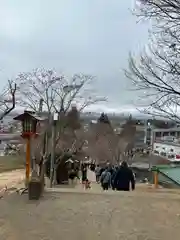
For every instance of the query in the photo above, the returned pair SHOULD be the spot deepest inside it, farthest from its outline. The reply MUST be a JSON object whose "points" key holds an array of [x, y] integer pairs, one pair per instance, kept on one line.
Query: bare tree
{"points": [[155, 73], [158, 9], [59, 94], [56, 91], [163, 13], [8, 99], [107, 146], [69, 141], [165, 20]]}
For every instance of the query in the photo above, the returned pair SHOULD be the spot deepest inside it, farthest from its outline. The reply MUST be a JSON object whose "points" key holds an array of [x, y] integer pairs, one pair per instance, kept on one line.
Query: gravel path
{"points": [[91, 216], [11, 178]]}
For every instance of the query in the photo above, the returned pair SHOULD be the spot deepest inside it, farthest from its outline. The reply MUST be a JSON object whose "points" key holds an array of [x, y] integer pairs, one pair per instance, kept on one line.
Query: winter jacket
{"points": [[113, 178], [97, 171], [123, 178], [105, 177]]}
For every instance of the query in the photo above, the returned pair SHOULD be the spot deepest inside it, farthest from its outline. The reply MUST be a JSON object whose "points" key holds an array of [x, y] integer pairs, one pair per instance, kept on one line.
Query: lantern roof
{"points": [[29, 114]]}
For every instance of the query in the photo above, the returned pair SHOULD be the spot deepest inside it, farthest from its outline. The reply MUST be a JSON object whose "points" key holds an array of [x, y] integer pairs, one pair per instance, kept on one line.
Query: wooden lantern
{"points": [[29, 122]]}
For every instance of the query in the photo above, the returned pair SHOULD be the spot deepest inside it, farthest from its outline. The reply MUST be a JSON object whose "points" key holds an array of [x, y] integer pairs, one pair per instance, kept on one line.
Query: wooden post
{"points": [[28, 159], [53, 140], [156, 179], [52, 155]]}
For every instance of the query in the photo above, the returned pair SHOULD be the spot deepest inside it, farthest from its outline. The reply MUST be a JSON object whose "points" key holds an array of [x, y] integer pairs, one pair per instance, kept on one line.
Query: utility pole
{"points": [[41, 101], [52, 167], [145, 132], [152, 143]]}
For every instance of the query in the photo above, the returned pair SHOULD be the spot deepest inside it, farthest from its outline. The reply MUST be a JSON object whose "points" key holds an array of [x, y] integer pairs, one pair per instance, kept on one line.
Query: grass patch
{"points": [[9, 163]]}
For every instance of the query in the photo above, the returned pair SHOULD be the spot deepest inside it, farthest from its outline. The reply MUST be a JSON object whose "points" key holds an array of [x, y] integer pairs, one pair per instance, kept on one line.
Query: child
{"points": [[87, 184]]}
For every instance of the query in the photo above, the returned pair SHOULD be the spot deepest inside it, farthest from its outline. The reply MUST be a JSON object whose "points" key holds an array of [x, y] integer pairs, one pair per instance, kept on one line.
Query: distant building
{"points": [[166, 143]]}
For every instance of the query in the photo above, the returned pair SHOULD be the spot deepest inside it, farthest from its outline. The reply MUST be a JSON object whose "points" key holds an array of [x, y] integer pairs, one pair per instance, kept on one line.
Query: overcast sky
{"points": [[72, 36]]}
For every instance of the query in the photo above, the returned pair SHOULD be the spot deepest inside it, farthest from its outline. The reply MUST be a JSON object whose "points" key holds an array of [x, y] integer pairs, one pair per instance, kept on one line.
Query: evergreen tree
{"points": [[73, 119]]}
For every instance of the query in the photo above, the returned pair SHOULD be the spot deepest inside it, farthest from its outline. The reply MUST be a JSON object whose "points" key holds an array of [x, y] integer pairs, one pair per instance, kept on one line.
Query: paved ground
{"points": [[91, 214]]}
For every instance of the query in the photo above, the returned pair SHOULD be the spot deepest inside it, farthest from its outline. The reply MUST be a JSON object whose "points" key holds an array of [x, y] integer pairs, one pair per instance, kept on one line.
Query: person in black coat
{"points": [[84, 173], [113, 177], [123, 178], [101, 171]]}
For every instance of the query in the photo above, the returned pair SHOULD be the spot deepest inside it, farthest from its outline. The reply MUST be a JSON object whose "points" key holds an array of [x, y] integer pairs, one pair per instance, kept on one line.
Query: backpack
{"points": [[106, 177]]}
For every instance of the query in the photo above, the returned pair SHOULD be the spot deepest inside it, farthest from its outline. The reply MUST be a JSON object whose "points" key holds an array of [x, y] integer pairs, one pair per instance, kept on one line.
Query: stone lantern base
{"points": [[34, 187], [34, 190]]}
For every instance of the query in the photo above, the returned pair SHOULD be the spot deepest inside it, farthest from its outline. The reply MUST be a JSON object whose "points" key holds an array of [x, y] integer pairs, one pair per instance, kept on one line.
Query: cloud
{"points": [[126, 109], [92, 37]]}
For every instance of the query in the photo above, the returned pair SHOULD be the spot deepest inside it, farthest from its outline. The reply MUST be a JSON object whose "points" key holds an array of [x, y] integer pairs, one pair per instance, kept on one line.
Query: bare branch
{"points": [[156, 77], [57, 91], [8, 99]]}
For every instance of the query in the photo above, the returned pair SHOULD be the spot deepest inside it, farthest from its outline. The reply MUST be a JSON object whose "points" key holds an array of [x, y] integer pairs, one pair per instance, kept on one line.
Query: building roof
{"points": [[173, 173], [31, 114], [167, 143]]}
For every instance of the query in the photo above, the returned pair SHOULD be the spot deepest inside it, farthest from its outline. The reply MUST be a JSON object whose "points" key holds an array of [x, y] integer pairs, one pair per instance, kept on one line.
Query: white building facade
{"points": [[166, 143]]}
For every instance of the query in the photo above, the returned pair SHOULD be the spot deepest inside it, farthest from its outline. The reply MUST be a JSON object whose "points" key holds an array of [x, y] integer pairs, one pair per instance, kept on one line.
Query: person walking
{"points": [[97, 173], [73, 175], [113, 177], [105, 179], [123, 178], [84, 173], [102, 170]]}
